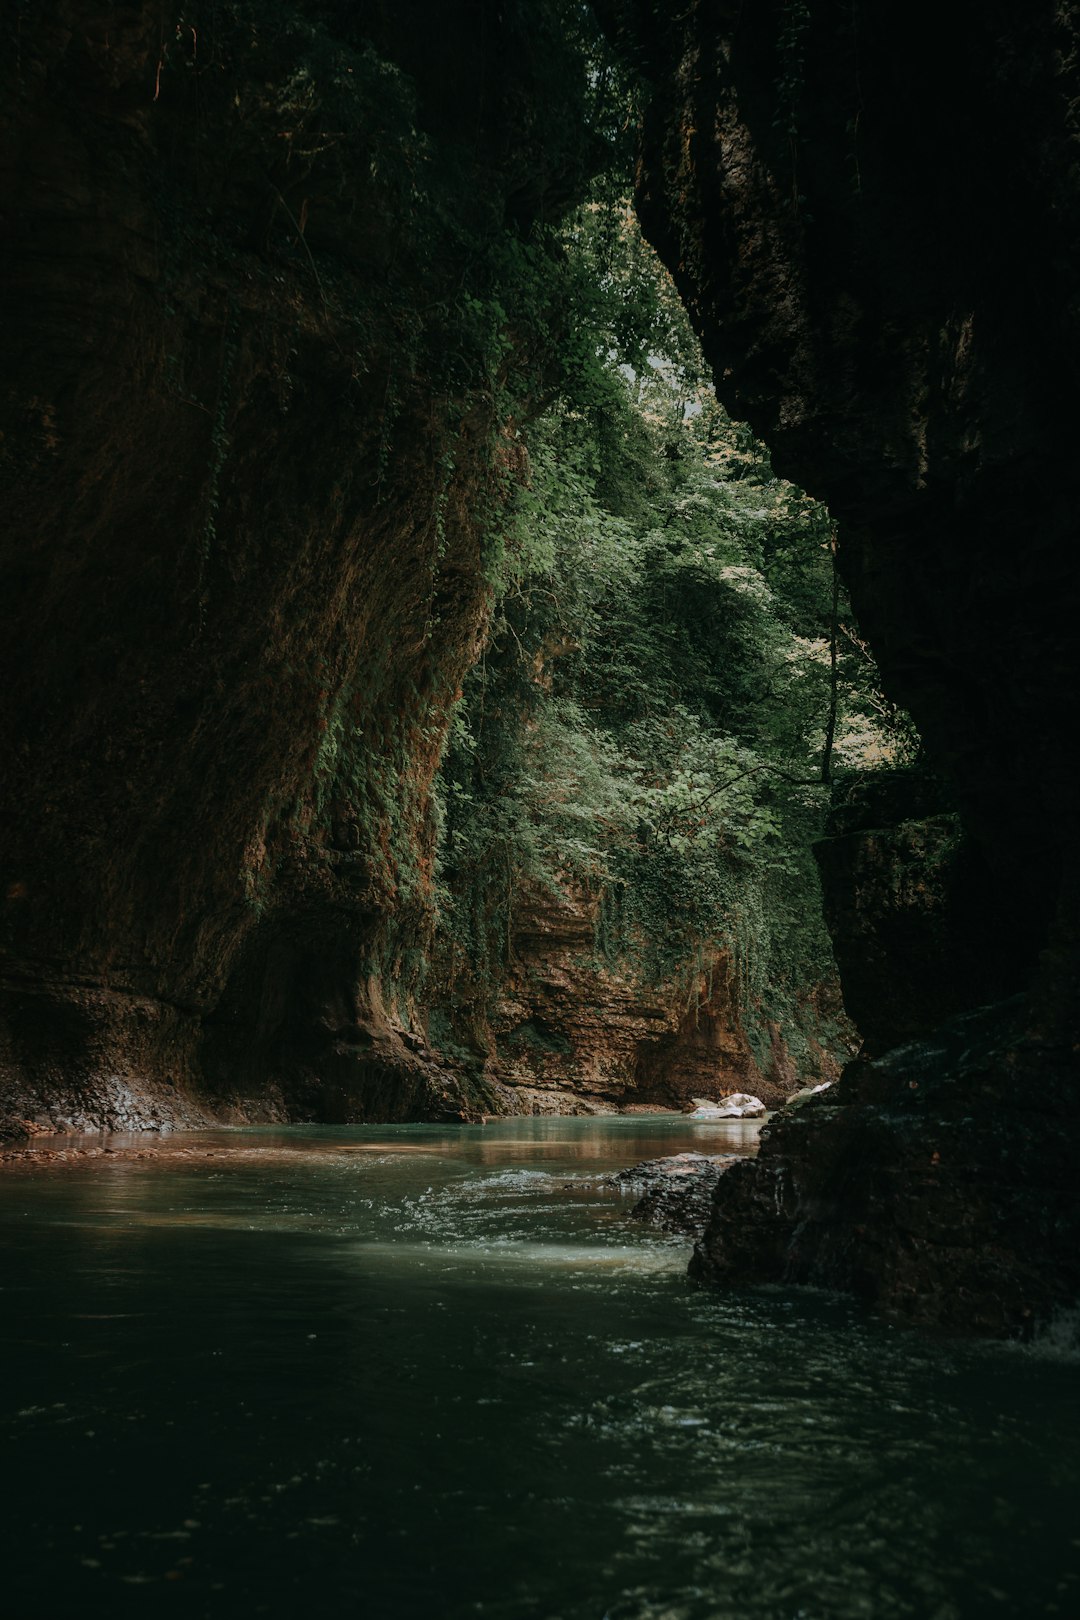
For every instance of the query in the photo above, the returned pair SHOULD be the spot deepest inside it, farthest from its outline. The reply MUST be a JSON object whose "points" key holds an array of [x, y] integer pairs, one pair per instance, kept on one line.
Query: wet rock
{"points": [[537, 1100], [737, 1105], [926, 1182], [672, 1164], [677, 1191], [807, 1092]]}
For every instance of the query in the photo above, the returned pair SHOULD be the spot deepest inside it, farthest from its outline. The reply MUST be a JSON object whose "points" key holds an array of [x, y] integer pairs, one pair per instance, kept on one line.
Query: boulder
{"points": [[677, 1191], [738, 1105], [797, 1100]]}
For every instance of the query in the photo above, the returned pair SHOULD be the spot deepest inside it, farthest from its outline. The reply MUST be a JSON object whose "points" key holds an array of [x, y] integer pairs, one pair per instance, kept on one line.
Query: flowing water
{"points": [[391, 1372]]}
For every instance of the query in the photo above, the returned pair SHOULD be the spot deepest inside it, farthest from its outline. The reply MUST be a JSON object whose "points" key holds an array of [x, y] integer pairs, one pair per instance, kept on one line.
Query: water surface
{"points": [[414, 1371]]}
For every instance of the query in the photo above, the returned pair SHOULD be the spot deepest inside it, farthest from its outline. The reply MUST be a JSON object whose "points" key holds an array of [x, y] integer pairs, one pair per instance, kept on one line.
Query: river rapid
{"points": [[402, 1371]]}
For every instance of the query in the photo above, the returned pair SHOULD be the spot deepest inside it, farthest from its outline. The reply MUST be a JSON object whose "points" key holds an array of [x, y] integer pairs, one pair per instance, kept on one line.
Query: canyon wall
{"points": [[871, 212], [572, 1030], [257, 435]]}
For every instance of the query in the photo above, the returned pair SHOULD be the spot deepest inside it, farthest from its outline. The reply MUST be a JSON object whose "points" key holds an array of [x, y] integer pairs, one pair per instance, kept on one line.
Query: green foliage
{"points": [[396, 245], [648, 720]]}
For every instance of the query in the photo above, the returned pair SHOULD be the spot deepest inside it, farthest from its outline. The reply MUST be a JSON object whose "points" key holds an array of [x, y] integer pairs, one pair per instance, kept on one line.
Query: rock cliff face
{"points": [[255, 442], [573, 1031], [910, 903], [936, 1183], [872, 214]]}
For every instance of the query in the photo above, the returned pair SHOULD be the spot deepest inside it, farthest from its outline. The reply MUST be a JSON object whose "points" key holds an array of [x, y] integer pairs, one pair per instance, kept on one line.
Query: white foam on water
{"points": [[514, 1254], [1056, 1340]]}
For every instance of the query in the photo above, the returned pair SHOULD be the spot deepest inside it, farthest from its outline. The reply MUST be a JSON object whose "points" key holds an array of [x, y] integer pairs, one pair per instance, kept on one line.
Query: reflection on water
{"points": [[412, 1371]]}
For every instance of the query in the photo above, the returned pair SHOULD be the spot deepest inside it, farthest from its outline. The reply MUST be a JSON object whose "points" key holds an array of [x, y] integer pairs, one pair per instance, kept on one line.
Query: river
{"points": [[402, 1371]]}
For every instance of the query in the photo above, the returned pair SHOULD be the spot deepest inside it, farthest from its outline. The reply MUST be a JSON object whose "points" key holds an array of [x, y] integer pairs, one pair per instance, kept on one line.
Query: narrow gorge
{"points": [[289, 477], [539, 594]]}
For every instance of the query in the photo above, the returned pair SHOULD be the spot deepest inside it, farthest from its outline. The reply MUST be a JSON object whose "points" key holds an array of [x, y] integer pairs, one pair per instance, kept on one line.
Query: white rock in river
{"points": [[799, 1097], [739, 1105]]}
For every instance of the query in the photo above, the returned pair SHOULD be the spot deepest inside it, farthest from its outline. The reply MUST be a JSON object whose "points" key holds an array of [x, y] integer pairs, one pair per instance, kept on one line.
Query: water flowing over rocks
{"points": [[303, 1367]]}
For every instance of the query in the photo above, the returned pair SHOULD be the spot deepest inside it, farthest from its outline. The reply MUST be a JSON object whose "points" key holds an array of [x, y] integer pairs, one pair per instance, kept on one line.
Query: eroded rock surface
{"points": [[572, 1024], [250, 454], [937, 1182], [677, 1191], [872, 212], [736, 1105], [911, 905]]}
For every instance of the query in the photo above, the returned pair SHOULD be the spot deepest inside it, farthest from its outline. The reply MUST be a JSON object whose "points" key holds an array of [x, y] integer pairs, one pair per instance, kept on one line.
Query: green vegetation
{"points": [[649, 722], [669, 679], [411, 292]]}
